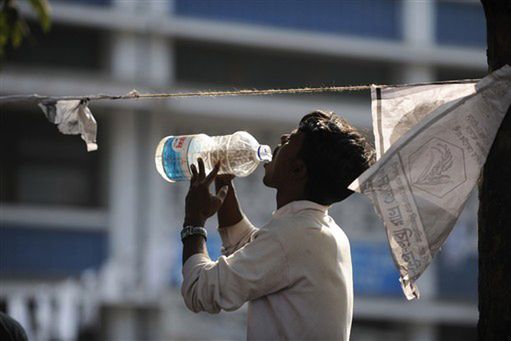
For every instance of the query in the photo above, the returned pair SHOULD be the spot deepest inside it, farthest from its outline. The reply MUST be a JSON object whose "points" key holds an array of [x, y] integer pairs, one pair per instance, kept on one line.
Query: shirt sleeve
{"points": [[258, 269], [236, 236]]}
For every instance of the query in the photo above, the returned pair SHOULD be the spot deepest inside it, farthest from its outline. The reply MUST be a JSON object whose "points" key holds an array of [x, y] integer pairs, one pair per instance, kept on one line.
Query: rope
{"points": [[134, 94]]}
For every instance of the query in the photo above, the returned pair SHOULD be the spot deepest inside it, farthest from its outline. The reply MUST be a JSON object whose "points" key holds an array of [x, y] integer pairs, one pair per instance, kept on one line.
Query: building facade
{"points": [[89, 242]]}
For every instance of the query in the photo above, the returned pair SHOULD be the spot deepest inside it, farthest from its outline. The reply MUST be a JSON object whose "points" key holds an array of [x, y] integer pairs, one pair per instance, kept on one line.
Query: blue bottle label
{"points": [[175, 157]]}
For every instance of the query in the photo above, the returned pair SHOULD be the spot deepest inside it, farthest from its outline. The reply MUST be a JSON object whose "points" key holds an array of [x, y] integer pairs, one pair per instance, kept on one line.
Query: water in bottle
{"points": [[238, 154]]}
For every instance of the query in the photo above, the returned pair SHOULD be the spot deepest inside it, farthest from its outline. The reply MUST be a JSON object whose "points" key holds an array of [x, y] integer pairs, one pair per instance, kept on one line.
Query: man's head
{"points": [[319, 160]]}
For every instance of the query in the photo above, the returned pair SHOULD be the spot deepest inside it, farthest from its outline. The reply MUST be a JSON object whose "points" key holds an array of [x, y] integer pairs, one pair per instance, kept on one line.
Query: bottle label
{"points": [[175, 157]]}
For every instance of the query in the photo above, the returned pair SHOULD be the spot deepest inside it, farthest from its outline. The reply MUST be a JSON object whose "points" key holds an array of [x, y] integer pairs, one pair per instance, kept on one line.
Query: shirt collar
{"points": [[299, 205]]}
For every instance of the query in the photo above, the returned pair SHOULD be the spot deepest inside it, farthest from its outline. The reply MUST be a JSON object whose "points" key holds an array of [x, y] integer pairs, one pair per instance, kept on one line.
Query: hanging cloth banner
{"points": [[436, 139], [72, 117]]}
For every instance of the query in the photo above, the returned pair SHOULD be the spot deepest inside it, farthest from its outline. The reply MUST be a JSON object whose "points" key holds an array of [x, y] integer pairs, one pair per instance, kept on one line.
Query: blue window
{"points": [[461, 24], [367, 18], [41, 166], [47, 252], [374, 272], [458, 261], [243, 67], [88, 2], [457, 279], [64, 47]]}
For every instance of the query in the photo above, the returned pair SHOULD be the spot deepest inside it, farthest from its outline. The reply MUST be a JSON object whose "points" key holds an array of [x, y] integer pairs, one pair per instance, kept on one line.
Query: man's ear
{"points": [[299, 170]]}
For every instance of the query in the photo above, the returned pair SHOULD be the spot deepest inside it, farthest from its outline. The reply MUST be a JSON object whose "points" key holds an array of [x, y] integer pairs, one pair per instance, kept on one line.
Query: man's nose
{"points": [[284, 138]]}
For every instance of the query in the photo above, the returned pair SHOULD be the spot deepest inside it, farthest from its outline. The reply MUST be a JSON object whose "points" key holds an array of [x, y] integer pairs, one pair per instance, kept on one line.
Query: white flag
{"points": [[436, 139]]}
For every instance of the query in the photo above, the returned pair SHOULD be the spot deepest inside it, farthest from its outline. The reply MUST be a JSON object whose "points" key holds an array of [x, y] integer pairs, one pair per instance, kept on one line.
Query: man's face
{"points": [[280, 170]]}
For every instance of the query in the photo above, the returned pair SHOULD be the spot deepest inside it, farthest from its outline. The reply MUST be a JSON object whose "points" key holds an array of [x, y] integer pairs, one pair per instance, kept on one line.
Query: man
{"points": [[295, 271]]}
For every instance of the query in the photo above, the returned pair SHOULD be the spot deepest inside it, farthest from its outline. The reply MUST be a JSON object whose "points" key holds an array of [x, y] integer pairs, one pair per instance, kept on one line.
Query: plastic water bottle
{"points": [[238, 154]]}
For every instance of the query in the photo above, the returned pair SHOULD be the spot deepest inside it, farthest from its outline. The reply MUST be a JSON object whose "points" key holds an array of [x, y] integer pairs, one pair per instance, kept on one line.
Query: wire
{"points": [[134, 94]]}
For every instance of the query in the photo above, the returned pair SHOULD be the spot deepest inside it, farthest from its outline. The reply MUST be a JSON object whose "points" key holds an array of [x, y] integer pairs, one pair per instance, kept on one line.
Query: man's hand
{"points": [[223, 179], [200, 203]]}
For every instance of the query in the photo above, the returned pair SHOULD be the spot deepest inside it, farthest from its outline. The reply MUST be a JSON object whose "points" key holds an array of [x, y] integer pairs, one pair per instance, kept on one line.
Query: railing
{"points": [[53, 311]]}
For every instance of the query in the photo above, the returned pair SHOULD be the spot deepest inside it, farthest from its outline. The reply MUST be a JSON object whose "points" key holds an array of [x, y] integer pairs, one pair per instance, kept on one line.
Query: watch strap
{"points": [[188, 231]]}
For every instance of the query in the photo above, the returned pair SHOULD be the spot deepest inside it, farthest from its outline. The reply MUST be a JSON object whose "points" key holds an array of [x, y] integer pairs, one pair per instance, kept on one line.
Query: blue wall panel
{"points": [[457, 279], [47, 252], [372, 18], [89, 2], [457, 262], [460, 24], [374, 272]]}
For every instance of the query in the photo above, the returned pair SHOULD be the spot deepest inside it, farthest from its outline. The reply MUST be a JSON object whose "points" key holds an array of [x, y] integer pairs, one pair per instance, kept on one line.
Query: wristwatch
{"points": [[188, 231]]}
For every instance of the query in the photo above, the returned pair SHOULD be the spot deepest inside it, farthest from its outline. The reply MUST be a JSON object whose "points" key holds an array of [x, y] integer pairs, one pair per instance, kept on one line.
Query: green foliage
{"points": [[42, 8], [14, 28]]}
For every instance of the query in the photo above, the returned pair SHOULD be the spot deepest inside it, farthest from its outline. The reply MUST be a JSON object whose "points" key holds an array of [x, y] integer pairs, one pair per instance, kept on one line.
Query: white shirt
{"points": [[295, 272]]}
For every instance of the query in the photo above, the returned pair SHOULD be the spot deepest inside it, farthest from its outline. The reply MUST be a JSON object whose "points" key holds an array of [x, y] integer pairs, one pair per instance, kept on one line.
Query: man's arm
{"points": [[234, 228], [258, 269], [200, 205], [229, 213]]}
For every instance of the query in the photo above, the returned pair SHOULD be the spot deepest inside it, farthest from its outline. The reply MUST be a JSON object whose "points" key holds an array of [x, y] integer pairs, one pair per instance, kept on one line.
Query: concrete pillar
{"points": [[125, 51], [421, 332], [159, 225], [159, 222], [124, 56], [419, 31], [419, 22], [123, 193], [121, 277]]}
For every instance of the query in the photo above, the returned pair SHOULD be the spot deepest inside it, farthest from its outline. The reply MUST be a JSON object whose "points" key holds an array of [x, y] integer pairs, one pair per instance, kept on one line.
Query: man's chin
{"points": [[267, 178], [266, 181]]}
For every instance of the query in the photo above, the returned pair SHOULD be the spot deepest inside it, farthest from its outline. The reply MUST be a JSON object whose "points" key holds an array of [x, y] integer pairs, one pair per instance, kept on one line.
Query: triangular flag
{"points": [[419, 186]]}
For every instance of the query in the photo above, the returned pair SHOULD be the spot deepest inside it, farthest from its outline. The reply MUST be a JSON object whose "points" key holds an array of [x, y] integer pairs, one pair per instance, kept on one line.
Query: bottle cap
{"points": [[264, 153]]}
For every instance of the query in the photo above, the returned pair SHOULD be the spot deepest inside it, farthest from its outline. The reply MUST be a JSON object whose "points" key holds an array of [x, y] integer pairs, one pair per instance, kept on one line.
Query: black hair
{"points": [[335, 154]]}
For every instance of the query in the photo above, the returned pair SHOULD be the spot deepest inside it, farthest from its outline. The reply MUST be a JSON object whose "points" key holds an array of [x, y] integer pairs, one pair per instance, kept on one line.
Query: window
{"points": [[42, 166], [231, 66], [457, 332], [460, 23], [47, 252], [368, 18], [64, 46], [457, 262], [446, 74], [86, 2]]}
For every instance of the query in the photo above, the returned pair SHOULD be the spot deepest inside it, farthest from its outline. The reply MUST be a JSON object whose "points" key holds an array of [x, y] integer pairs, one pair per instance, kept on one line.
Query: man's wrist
{"points": [[192, 221]]}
